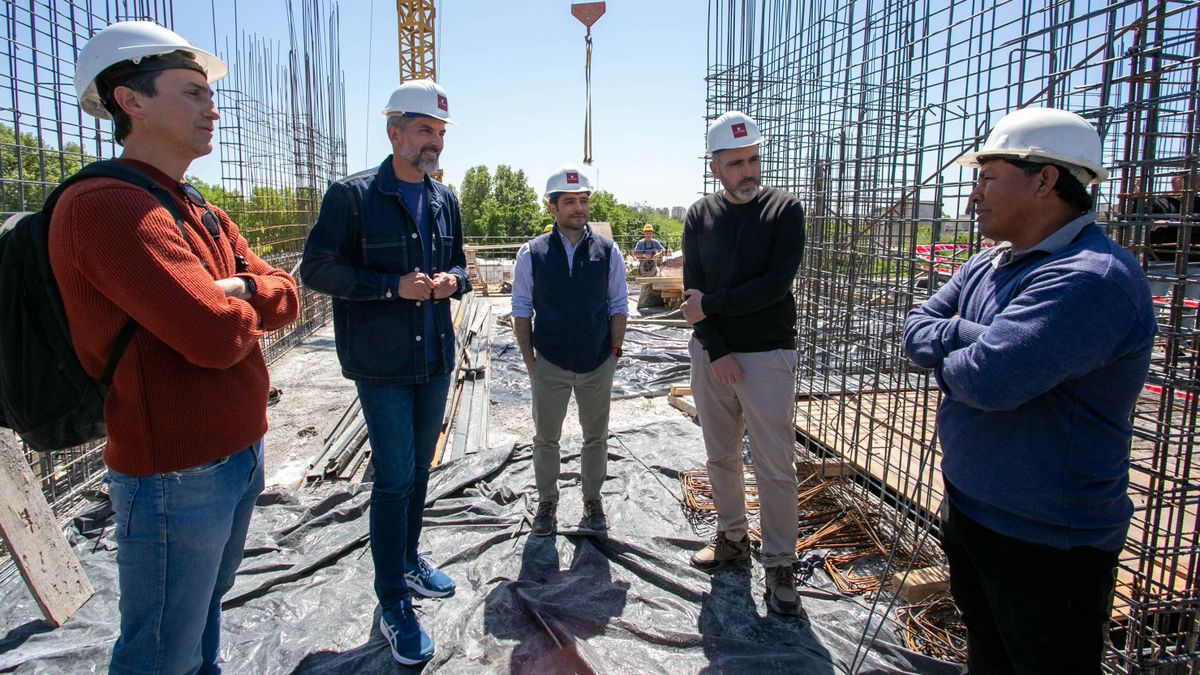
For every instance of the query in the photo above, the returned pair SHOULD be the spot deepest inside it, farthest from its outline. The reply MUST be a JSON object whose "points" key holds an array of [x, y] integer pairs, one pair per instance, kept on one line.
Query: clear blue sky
{"points": [[514, 74]]}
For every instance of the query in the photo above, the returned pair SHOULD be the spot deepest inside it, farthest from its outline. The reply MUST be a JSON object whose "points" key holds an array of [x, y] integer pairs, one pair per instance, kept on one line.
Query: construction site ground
{"points": [[626, 601]]}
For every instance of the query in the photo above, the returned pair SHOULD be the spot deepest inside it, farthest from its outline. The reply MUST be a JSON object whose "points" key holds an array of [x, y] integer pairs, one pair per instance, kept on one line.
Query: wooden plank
{"points": [[45, 560], [920, 583], [680, 390], [683, 403], [883, 436], [828, 469], [658, 322]]}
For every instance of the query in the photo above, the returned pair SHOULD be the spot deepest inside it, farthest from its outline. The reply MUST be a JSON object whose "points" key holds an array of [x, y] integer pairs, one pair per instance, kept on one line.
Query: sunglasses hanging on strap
{"points": [[211, 222]]}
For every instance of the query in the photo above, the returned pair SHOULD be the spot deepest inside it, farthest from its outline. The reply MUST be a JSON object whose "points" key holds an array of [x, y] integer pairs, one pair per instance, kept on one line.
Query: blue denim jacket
{"points": [[364, 240]]}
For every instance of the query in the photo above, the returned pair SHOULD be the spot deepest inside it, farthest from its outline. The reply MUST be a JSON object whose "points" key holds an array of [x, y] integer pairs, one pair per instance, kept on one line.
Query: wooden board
{"points": [[45, 560], [882, 436], [657, 322], [920, 583], [680, 390], [683, 403]]}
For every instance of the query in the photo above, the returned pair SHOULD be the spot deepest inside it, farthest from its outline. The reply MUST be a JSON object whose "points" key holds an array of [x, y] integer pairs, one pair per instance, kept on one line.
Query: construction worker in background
{"points": [[187, 408], [395, 338], [1166, 235], [648, 251], [648, 247], [741, 249], [1040, 347], [569, 307]]}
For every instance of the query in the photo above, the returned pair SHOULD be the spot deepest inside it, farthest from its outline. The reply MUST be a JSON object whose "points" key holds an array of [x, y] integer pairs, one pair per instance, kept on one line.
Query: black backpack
{"points": [[45, 394]]}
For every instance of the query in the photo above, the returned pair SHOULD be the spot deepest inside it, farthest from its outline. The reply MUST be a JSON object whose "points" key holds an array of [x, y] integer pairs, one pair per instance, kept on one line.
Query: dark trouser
{"points": [[403, 422], [1028, 608]]}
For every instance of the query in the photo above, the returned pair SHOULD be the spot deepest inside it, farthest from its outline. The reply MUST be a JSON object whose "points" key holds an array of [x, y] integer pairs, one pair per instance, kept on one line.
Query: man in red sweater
{"points": [[186, 411]]}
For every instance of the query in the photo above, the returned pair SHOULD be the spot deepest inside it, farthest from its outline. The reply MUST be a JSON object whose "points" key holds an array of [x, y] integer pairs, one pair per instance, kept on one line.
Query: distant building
{"points": [[895, 220], [677, 212]]}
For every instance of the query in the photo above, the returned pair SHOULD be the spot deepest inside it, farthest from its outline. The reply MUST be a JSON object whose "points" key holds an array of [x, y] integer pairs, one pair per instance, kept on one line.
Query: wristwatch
{"points": [[251, 286]]}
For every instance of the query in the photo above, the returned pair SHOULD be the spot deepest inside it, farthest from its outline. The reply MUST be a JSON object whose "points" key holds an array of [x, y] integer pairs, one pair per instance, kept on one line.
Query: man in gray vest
{"points": [[573, 281]]}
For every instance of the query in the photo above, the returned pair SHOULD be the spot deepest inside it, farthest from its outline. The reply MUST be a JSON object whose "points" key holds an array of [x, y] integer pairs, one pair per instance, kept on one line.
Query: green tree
{"points": [[512, 209], [213, 193], [476, 188], [30, 170], [606, 209]]}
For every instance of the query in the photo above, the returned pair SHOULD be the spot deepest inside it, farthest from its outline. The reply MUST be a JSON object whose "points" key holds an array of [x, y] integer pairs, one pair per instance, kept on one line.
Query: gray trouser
{"points": [[762, 401], [552, 387]]}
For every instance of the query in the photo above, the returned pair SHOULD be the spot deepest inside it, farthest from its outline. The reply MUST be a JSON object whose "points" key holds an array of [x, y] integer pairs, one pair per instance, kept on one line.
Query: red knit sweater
{"points": [[192, 385]]}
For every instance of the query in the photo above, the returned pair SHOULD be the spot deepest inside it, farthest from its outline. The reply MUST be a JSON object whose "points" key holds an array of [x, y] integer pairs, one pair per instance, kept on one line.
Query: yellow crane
{"points": [[418, 55]]}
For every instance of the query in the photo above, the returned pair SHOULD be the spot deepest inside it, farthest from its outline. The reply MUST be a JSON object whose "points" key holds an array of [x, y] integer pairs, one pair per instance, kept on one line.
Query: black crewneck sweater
{"points": [[744, 257]]}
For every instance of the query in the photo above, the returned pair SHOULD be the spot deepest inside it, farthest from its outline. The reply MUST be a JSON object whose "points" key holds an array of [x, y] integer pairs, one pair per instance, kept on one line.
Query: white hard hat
{"points": [[1046, 135], [131, 41], [420, 97], [733, 130], [568, 178]]}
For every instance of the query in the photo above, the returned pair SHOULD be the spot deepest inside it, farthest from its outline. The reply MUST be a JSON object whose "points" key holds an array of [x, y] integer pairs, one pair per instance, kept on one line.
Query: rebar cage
{"points": [[865, 106], [282, 140]]}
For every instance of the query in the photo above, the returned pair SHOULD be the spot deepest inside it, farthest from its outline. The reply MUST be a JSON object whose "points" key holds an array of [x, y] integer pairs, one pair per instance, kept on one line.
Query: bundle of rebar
{"points": [[934, 627]]}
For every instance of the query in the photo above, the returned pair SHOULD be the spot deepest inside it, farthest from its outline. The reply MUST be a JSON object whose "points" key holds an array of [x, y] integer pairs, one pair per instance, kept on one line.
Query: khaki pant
{"points": [[552, 387], [762, 401]]}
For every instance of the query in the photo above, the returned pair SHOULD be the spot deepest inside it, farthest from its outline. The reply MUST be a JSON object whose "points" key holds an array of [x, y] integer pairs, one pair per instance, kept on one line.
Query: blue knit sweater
{"points": [[1040, 357]]}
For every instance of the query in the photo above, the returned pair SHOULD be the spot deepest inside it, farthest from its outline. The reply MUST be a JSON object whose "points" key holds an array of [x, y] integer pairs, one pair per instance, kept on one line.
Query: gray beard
{"points": [[744, 195], [417, 160]]}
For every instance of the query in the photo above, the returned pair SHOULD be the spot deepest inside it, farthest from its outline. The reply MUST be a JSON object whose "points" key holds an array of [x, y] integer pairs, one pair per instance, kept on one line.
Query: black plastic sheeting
{"points": [[654, 357], [627, 602]]}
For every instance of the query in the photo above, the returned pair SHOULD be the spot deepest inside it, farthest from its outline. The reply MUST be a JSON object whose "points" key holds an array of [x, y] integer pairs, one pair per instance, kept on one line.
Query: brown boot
{"points": [[721, 550], [545, 522], [781, 594], [593, 510]]}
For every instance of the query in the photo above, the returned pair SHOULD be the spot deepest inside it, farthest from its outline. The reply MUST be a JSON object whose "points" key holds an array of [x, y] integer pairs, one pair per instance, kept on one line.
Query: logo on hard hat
{"points": [[572, 178], [443, 104], [739, 130]]}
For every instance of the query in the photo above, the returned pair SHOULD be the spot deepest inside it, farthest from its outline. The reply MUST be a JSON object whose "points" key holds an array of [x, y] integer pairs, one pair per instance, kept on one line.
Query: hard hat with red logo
{"points": [[568, 178], [417, 98], [733, 130], [135, 43]]}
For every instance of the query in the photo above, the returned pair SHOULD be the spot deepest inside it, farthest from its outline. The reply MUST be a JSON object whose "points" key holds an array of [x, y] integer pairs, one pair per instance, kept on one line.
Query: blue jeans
{"points": [[179, 539], [403, 422]]}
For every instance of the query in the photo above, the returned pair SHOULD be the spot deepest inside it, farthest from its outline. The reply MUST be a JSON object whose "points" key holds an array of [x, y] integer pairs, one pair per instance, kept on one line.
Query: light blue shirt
{"points": [[522, 294]]}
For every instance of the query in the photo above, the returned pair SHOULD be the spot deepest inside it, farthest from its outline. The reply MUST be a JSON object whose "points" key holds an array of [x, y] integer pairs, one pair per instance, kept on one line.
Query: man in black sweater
{"points": [[741, 249]]}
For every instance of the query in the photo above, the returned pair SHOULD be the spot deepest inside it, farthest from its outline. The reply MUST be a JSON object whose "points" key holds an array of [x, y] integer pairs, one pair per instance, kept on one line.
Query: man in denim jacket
{"points": [[388, 247]]}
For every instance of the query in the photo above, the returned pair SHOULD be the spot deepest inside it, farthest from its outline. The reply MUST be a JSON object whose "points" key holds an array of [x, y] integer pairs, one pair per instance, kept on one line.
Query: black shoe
{"points": [[781, 594], [545, 523], [594, 517]]}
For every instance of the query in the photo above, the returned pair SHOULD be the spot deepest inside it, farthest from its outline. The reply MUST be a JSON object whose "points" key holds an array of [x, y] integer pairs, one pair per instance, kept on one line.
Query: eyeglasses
{"points": [[209, 219]]}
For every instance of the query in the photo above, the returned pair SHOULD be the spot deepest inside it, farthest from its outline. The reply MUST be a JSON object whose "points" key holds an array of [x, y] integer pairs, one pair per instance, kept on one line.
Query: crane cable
{"points": [[587, 118]]}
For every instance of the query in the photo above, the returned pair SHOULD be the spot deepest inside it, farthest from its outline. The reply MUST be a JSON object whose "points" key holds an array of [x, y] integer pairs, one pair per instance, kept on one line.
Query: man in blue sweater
{"points": [[1040, 347]]}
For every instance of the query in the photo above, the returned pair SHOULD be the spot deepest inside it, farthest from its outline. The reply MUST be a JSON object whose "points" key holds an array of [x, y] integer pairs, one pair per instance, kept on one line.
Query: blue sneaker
{"points": [[429, 581], [410, 643]]}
